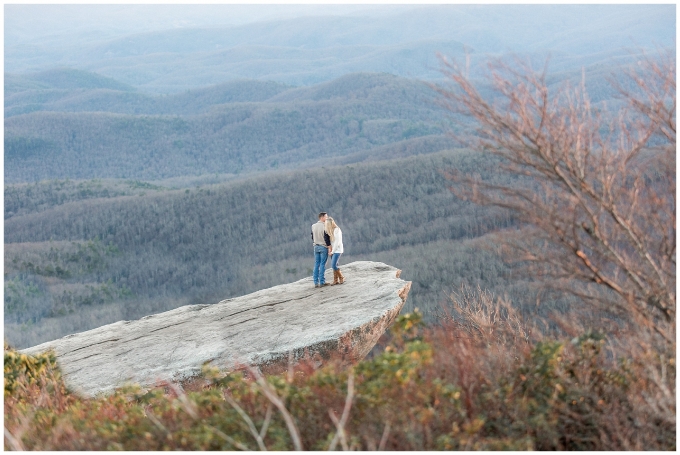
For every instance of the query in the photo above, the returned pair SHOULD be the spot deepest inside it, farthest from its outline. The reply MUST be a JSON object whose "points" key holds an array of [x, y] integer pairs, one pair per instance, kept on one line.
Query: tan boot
{"points": [[335, 277], [342, 278]]}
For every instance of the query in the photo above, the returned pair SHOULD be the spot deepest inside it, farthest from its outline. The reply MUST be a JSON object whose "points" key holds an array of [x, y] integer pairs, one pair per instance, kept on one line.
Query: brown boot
{"points": [[335, 277], [341, 277]]}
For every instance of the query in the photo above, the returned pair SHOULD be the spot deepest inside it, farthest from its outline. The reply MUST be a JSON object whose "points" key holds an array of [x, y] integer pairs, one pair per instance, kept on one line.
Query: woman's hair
{"points": [[329, 227]]}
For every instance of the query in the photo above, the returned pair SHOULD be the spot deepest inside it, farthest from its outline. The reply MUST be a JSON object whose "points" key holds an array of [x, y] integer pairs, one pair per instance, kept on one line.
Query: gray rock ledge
{"points": [[264, 329]]}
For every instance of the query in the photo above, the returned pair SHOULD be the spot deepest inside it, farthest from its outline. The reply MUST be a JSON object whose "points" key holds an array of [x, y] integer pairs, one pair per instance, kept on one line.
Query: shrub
{"points": [[436, 388]]}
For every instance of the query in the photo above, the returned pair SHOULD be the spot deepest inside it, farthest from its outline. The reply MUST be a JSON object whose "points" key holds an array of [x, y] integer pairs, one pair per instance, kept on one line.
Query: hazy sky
{"points": [[166, 47], [28, 22]]}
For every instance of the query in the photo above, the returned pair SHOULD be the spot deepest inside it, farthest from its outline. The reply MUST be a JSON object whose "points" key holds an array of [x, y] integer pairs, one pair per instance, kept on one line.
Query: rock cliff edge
{"points": [[264, 329]]}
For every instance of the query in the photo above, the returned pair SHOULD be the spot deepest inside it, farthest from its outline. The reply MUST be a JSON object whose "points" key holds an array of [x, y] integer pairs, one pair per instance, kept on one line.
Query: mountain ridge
{"points": [[353, 114], [306, 51]]}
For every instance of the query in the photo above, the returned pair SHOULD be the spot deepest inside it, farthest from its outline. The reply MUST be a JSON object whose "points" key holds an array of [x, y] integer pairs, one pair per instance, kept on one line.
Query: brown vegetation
{"points": [[493, 382], [595, 188]]}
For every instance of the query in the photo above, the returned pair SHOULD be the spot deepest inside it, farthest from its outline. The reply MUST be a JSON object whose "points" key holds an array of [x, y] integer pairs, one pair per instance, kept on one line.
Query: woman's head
{"points": [[330, 227]]}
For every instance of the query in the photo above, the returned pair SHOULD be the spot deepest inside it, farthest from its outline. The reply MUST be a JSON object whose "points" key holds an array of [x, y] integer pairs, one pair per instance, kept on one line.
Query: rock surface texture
{"points": [[265, 329]]}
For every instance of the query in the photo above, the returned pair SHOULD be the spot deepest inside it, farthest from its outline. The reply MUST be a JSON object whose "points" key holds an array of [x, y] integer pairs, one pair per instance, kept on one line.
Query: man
{"points": [[322, 246]]}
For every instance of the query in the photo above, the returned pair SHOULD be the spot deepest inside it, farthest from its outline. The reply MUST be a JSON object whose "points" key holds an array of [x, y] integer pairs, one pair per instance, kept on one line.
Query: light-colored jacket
{"points": [[318, 234], [336, 243]]}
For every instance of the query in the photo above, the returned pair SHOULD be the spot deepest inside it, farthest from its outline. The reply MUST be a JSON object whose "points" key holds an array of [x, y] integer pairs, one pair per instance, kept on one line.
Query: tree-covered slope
{"points": [[77, 265], [61, 78], [311, 126], [25, 97]]}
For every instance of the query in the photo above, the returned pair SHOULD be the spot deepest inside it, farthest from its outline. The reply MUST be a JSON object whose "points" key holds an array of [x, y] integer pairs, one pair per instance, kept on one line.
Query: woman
{"points": [[335, 234]]}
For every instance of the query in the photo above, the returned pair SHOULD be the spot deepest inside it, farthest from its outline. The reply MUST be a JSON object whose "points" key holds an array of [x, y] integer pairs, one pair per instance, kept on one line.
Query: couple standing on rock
{"points": [[327, 239]]}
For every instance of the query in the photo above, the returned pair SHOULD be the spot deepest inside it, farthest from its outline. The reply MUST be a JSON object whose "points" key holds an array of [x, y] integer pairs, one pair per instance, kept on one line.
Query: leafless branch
{"points": [[13, 442], [247, 420], [596, 189], [385, 435], [273, 397], [340, 424]]}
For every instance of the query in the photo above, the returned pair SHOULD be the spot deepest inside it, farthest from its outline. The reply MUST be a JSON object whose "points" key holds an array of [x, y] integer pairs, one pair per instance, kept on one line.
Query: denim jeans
{"points": [[335, 257], [320, 258]]}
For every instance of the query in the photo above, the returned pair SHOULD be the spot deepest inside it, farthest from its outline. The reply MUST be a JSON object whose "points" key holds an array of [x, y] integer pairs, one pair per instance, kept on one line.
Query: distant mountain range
{"points": [[67, 123], [236, 127], [309, 50]]}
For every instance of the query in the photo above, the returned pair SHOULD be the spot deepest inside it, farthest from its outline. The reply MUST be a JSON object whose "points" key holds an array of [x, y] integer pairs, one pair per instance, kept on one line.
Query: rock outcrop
{"points": [[265, 329]]}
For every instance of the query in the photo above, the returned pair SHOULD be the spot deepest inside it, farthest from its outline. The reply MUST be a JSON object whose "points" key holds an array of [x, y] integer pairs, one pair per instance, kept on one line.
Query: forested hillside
{"points": [[60, 79], [301, 127], [73, 91], [24, 198], [74, 124], [101, 253]]}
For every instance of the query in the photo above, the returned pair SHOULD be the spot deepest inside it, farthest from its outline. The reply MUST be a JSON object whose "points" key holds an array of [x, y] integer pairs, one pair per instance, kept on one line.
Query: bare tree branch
{"points": [[247, 420], [273, 397], [595, 189], [340, 424]]}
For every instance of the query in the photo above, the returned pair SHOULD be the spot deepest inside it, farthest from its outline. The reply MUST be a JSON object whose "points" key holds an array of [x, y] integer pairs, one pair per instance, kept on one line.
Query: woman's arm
{"points": [[337, 241]]}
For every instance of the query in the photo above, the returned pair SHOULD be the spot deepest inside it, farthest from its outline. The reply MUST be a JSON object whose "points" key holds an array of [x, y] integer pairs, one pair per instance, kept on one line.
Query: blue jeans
{"points": [[320, 258], [335, 257]]}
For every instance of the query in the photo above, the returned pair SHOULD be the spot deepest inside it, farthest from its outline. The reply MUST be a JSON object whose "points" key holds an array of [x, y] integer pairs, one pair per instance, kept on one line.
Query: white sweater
{"points": [[336, 243]]}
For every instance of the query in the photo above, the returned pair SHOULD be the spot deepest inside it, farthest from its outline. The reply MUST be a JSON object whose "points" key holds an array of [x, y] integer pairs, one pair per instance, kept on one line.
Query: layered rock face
{"points": [[266, 329]]}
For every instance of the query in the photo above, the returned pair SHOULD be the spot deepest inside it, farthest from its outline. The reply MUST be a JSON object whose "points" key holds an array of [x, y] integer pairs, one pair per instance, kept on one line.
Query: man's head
{"points": [[323, 216]]}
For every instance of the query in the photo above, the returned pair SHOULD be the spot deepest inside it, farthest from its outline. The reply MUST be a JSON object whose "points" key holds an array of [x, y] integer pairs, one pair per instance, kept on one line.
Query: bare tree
{"points": [[593, 186]]}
